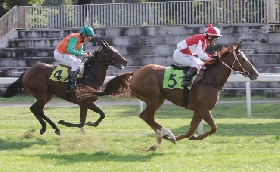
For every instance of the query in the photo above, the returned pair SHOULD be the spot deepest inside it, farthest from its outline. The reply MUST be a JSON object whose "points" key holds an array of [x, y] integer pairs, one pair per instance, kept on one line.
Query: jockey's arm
{"points": [[71, 47], [200, 53]]}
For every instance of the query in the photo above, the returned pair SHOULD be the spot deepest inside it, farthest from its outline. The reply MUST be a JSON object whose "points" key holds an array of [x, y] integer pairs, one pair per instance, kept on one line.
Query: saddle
{"points": [[186, 69], [186, 89], [80, 70]]}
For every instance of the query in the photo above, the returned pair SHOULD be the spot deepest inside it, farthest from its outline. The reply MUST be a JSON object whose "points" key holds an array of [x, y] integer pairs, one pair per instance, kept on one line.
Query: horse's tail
{"points": [[13, 89], [117, 85]]}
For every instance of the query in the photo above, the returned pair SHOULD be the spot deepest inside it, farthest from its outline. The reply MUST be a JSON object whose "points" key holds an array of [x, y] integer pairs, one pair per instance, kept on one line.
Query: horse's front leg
{"points": [[197, 118], [96, 109], [83, 117], [208, 118]]}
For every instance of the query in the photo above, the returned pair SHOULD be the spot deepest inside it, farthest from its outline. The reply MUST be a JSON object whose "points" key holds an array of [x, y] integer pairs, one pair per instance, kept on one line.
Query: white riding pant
{"points": [[186, 59], [68, 60]]}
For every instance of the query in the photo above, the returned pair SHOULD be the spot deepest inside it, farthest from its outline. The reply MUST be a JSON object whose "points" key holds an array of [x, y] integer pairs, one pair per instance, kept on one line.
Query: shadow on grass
{"points": [[238, 129], [99, 156], [20, 144]]}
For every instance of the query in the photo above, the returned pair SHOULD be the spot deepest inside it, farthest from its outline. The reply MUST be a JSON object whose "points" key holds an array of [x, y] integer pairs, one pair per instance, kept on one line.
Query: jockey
{"points": [[72, 46], [188, 49]]}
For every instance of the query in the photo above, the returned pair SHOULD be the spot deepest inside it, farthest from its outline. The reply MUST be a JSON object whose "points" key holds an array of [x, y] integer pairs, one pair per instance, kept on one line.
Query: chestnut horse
{"points": [[37, 83], [146, 84]]}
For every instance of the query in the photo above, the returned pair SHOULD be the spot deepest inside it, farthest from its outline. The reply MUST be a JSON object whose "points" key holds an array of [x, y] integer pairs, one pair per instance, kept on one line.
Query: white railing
{"points": [[141, 14]]}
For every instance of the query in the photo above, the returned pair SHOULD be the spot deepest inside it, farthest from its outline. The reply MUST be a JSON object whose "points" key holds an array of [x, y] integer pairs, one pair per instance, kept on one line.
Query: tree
{"points": [[6, 5], [82, 2]]}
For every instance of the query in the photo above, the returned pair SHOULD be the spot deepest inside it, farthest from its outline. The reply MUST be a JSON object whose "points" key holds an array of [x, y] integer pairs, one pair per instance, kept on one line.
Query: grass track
{"points": [[122, 140]]}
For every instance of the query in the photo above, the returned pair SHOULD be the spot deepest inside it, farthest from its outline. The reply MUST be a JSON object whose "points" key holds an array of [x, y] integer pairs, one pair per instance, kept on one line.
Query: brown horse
{"points": [[146, 84], [37, 83]]}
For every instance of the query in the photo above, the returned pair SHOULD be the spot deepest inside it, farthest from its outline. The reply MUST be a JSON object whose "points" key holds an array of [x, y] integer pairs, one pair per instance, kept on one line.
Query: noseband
{"points": [[112, 58], [243, 72]]}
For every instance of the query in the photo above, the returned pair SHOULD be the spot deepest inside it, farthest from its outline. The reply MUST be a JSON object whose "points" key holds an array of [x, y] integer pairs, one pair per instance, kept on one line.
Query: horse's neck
{"points": [[96, 71], [218, 74]]}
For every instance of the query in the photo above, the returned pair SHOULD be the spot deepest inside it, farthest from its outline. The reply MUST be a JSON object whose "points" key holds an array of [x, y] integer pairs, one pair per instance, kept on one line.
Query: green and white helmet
{"points": [[87, 31]]}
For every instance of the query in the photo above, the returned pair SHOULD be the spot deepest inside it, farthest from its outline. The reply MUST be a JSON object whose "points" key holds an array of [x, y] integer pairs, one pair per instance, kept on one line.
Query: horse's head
{"points": [[111, 56], [239, 62]]}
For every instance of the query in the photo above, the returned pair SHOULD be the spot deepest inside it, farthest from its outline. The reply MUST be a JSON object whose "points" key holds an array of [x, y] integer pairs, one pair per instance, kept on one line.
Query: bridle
{"points": [[112, 62], [111, 58], [236, 60], [243, 72]]}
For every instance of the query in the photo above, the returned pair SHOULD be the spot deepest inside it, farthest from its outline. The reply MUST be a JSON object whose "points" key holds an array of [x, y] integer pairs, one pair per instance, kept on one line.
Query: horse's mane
{"points": [[92, 58], [222, 51]]}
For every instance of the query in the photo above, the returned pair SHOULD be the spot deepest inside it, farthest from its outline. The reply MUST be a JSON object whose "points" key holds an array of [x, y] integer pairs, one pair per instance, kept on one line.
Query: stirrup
{"points": [[73, 86], [186, 83]]}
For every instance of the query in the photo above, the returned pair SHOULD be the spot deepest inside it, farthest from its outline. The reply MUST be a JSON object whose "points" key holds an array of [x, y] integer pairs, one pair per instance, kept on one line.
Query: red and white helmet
{"points": [[212, 31]]}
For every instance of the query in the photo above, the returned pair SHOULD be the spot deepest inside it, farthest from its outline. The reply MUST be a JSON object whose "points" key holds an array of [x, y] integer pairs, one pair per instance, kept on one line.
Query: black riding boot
{"points": [[73, 79], [188, 76]]}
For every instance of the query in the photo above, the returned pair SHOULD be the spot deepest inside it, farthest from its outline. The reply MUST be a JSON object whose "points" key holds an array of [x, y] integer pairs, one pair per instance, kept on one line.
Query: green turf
{"points": [[122, 141]]}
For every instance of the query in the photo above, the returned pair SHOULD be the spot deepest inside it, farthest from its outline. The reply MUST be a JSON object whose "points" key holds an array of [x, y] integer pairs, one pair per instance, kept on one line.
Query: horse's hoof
{"points": [[92, 124], [42, 131], [89, 123], [193, 137], [61, 122], [154, 147], [173, 140], [95, 124], [57, 132]]}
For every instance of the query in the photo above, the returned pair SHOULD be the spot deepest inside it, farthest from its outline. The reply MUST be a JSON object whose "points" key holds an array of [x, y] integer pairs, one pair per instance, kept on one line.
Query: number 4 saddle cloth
{"points": [[60, 73]]}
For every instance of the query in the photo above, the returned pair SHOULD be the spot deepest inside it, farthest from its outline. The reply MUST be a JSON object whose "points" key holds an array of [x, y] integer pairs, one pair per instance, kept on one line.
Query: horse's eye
{"points": [[243, 59]]}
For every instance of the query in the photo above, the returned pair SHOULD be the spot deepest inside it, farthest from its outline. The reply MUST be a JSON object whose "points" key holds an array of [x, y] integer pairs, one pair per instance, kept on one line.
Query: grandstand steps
{"points": [[140, 45]]}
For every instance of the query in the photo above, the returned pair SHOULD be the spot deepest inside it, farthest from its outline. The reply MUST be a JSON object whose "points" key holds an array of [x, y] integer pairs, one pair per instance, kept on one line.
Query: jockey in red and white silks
{"points": [[188, 49]]}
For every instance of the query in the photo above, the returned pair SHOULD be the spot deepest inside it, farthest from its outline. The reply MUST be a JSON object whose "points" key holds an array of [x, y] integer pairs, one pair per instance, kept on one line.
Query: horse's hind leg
{"points": [[148, 115], [37, 110], [34, 109]]}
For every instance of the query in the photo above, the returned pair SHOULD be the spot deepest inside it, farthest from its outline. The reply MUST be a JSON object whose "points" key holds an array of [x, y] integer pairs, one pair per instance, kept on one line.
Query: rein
{"points": [[244, 72], [210, 83], [92, 78]]}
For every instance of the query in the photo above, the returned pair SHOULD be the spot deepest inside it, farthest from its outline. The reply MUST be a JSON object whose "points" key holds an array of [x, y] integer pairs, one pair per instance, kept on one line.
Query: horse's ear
{"points": [[106, 43], [102, 44], [238, 45]]}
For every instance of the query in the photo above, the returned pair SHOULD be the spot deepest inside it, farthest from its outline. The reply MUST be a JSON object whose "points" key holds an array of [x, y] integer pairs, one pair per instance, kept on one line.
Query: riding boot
{"points": [[188, 76], [73, 79]]}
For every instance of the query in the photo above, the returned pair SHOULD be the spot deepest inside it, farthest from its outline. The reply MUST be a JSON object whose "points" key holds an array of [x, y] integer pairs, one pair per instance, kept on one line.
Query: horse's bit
{"points": [[243, 72]]}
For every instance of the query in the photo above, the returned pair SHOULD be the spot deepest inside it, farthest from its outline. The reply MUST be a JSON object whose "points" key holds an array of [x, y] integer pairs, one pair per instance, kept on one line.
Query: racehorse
{"points": [[36, 81], [147, 84]]}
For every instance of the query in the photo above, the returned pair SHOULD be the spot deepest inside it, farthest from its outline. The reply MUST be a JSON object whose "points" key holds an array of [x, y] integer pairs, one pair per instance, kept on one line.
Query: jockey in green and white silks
{"points": [[72, 46]]}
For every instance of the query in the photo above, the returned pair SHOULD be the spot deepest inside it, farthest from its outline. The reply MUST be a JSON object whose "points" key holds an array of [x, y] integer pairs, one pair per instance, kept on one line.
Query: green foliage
{"points": [[36, 2], [40, 14]]}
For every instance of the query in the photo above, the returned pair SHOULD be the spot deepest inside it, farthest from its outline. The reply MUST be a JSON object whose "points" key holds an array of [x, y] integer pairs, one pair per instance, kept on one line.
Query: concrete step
{"points": [[26, 52], [34, 42], [24, 62], [44, 33], [264, 48], [264, 59], [159, 50], [137, 40]]}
